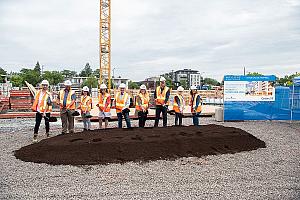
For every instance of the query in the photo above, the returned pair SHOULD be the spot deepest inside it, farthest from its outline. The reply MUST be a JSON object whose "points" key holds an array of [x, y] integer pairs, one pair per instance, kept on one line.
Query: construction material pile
{"points": [[20, 100], [137, 144]]}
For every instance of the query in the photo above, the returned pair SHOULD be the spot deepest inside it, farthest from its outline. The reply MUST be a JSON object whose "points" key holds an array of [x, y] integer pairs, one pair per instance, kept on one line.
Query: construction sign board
{"points": [[249, 88]]}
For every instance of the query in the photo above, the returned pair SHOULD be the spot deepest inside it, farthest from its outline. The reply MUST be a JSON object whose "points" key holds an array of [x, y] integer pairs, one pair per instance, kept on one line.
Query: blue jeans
{"points": [[196, 118], [127, 120], [86, 121]]}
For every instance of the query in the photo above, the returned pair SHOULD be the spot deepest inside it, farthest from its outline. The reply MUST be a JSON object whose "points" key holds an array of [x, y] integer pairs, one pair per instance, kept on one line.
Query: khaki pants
{"points": [[67, 120]]}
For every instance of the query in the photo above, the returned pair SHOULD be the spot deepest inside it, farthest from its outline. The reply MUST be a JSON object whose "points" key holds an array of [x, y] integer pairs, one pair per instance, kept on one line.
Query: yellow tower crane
{"points": [[105, 43]]}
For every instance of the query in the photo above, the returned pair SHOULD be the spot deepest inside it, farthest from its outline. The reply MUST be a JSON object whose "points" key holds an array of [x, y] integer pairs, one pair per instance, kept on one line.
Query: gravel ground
{"points": [[270, 173]]}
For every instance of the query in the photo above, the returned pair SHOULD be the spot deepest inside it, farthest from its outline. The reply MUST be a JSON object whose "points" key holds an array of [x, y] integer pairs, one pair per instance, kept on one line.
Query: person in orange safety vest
{"points": [[104, 105], [42, 105], [161, 96], [178, 105], [195, 103], [122, 99], [85, 107], [67, 102], [142, 105]]}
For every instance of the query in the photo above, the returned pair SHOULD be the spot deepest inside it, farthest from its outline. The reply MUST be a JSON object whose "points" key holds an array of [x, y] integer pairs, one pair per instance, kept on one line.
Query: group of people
{"points": [[66, 99]]}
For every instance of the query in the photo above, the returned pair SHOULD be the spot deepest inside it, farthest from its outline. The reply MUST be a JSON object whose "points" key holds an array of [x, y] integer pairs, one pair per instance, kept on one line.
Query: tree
{"points": [[133, 85], [287, 80], [31, 76], [17, 80], [91, 82], [210, 81], [183, 83], [37, 68], [54, 77], [169, 82], [2, 75], [254, 74], [68, 73], [96, 73], [87, 71]]}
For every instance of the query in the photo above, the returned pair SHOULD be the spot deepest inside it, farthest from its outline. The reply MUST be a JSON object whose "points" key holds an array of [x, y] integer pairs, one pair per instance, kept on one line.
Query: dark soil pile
{"points": [[138, 144]]}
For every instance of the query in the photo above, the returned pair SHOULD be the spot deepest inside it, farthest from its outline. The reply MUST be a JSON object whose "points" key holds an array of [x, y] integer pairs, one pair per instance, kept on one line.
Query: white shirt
{"points": [[40, 100]]}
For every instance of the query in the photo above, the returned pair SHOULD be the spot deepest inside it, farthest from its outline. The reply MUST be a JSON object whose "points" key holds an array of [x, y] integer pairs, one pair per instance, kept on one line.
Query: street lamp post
{"points": [[201, 79]]}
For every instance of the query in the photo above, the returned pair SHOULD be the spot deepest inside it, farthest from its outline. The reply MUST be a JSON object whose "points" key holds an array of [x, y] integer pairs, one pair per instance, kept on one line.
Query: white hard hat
{"points": [[45, 82], [68, 83], [180, 89], [122, 85], [193, 87], [143, 87], [86, 89], [162, 79], [103, 86]]}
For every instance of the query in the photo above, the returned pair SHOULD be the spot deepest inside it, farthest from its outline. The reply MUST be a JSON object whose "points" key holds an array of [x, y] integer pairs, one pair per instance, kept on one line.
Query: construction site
{"points": [[236, 139]]}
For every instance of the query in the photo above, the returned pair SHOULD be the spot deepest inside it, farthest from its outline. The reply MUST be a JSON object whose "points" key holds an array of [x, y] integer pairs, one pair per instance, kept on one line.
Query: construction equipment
{"points": [[105, 43]]}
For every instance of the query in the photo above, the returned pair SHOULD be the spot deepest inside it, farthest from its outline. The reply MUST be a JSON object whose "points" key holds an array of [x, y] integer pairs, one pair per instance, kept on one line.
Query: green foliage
{"points": [[254, 74], [287, 80], [133, 85], [37, 68], [87, 71], [54, 77], [17, 80], [169, 82], [2, 72], [210, 81], [183, 83], [91, 82], [31, 76], [96, 73], [69, 74]]}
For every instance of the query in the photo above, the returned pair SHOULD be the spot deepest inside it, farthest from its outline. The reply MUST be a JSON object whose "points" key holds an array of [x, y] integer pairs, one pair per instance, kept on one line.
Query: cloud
{"points": [[151, 37]]}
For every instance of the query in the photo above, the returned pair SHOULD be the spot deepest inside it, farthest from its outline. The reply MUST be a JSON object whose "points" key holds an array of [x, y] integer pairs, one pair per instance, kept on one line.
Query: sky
{"points": [[154, 37]]}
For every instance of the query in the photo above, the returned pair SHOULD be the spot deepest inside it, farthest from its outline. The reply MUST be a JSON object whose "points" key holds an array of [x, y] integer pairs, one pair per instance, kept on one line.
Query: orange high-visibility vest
{"points": [[144, 102], [193, 103], [161, 96], [69, 104], [103, 101], [120, 103], [86, 103], [44, 107], [176, 107]]}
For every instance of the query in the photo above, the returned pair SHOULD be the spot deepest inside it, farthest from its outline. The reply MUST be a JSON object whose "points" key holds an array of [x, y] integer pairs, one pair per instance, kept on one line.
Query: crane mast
{"points": [[105, 43]]}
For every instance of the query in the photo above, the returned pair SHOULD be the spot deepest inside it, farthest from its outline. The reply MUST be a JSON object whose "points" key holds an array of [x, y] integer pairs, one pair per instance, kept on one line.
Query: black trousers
{"points": [[142, 118], [178, 117], [163, 110], [38, 119]]}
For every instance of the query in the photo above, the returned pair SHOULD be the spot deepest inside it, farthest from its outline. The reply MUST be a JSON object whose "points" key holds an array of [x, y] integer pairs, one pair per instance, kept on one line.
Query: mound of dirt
{"points": [[138, 144]]}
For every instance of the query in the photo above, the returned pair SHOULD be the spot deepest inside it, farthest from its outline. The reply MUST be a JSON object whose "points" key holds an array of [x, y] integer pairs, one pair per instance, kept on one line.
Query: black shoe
{"points": [[63, 133]]}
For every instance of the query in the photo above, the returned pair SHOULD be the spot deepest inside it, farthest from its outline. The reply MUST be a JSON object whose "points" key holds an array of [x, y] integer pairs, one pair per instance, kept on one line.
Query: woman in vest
{"points": [[42, 105], [142, 105], [178, 106], [85, 107], [122, 100], [104, 102], [195, 103]]}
